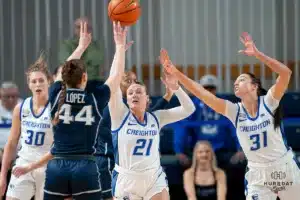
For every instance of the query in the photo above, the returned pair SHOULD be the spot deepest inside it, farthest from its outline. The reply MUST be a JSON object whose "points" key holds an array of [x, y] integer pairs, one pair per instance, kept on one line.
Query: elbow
{"points": [[191, 108], [287, 72]]}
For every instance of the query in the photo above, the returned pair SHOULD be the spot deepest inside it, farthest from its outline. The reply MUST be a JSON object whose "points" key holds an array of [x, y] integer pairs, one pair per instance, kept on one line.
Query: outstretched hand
{"points": [[85, 37], [166, 62], [250, 48], [170, 81], [120, 34]]}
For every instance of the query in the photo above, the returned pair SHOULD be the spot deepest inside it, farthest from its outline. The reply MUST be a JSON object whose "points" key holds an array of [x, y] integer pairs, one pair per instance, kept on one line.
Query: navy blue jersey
{"points": [[104, 145], [79, 118]]}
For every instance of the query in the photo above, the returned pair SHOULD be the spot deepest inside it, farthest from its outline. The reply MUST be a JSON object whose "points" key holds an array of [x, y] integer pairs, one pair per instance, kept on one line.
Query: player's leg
{"points": [[22, 187], [85, 182], [39, 177], [159, 190], [57, 180], [291, 193], [164, 195], [105, 165]]}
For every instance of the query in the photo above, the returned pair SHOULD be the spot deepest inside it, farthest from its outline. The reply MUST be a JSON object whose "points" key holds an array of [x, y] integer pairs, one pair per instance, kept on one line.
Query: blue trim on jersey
{"points": [[114, 181], [297, 162], [140, 123], [31, 109], [122, 124], [21, 108], [155, 119], [115, 141], [246, 187], [283, 136], [237, 116], [257, 113], [267, 108]]}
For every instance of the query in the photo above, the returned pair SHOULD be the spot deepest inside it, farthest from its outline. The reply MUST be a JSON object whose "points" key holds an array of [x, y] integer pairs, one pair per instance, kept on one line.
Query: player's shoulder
{"points": [[96, 86]]}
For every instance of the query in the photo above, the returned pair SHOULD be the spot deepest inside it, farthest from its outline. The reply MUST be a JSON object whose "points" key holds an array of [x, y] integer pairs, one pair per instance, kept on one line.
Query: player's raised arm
{"points": [[116, 106], [284, 73], [178, 113], [219, 105], [118, 64], [84, 41]]}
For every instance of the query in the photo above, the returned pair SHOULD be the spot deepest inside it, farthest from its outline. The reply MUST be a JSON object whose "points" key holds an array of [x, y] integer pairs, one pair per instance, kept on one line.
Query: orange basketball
{"points": [[127, 12]]}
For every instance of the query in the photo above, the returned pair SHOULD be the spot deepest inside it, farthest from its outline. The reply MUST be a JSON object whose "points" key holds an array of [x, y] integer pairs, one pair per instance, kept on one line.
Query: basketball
{"points": [[127, 12]]}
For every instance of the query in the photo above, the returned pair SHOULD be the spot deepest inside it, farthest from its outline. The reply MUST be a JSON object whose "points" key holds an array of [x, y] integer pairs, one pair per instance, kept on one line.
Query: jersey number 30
{"points": [[84, 115], [35, 138], [258, 140], [141, 146]]}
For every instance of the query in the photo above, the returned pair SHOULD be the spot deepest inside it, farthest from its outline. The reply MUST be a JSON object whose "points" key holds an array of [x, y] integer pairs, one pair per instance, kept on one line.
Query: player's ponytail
{"points": [[71, 74], [278, 114]]}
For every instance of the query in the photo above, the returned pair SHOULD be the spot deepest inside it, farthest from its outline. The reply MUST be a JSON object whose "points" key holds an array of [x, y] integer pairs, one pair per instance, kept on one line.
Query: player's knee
{"points": [[163, 195]]}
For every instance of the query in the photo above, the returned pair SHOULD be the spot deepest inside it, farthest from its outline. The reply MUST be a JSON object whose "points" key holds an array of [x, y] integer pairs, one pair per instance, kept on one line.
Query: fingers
{"points": [[128, 45], [85, 28], [81, 28]]}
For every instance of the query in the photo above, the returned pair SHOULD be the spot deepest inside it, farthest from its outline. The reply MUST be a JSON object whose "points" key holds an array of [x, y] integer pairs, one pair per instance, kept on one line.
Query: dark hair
{"points": [[278, 115], [71, 72], [40, 65]]}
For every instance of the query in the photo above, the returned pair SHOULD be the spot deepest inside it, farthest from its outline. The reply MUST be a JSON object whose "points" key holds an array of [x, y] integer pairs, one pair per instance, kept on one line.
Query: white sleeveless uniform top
{"points": [[136, 145], [36, 131], [5, 124], [260, 141]]}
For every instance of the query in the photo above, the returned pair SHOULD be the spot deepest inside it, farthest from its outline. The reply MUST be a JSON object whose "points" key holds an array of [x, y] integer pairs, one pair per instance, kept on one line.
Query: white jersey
{"points": [[260, 141], [36, 132], [5, 124], [136, 145], [140, 143]]}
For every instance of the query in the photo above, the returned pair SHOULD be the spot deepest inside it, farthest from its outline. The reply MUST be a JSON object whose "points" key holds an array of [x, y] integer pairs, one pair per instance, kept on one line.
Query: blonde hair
{"points": [[214, 165]]}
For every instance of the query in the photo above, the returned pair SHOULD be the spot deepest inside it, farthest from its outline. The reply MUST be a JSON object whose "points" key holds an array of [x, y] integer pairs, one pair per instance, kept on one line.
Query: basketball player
{"points": [[258, 127], [105, 155], [135, 132], [76, 111], [31, 121]]}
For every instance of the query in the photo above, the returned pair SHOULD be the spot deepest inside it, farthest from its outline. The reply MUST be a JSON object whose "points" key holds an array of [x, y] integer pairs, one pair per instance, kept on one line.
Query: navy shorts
{"points": [[106, 165], [66, 177]]}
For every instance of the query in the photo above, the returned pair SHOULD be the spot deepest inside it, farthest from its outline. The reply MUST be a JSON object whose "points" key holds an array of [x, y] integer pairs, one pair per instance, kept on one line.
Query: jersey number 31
{"points": [[258, 140], [84, 115]]}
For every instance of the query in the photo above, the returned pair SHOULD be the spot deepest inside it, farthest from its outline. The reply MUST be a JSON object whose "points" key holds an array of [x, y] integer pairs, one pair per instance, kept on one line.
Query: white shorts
{"points": [[279, 178], [138, 186], [28, 185]]}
